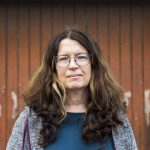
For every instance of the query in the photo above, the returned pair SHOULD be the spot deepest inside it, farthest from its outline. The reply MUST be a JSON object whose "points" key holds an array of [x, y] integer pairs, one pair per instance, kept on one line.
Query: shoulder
{"points": [[123, 135], [124, 118], [34, 120], [21, 119], [26, 113], [16, 137]]}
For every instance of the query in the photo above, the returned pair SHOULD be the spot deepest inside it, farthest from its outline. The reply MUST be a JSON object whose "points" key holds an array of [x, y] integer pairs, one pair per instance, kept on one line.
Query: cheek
{"points": [[60, 73], [87, 72]]}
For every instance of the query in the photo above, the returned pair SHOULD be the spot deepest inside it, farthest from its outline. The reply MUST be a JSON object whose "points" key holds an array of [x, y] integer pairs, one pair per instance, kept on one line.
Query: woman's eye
{"points": [[62, 58], [82, 57]]}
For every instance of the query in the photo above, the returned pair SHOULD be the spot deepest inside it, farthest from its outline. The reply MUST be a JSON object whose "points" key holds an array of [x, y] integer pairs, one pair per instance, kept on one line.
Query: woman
{"points": [[73, 102]]}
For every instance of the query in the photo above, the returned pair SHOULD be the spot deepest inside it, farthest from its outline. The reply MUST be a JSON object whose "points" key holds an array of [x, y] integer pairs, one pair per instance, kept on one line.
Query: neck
{"points": [[76, 100]]}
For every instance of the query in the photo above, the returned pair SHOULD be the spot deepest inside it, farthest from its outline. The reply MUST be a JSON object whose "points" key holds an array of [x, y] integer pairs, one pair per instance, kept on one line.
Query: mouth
{"points": [[74, 76]]}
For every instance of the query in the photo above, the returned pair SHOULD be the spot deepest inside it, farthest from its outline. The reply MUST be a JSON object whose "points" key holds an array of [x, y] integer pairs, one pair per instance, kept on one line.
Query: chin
{"points": [[74, 87]]}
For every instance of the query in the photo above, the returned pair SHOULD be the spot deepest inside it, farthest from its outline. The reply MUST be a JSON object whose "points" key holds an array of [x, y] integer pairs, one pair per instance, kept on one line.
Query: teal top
{"points": [[70, 136], [123, 137]]}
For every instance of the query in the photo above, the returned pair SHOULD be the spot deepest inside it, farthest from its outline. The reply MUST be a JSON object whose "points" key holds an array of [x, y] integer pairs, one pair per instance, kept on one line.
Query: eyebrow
{"points": [[75, 54]]}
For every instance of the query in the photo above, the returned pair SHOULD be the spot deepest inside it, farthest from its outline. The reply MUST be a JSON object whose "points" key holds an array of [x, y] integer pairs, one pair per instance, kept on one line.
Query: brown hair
{"points": [[45, 95]]}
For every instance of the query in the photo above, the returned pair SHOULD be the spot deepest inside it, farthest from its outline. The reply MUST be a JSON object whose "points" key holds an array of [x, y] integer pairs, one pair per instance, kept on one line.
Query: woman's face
{"points": [[73, 76]]}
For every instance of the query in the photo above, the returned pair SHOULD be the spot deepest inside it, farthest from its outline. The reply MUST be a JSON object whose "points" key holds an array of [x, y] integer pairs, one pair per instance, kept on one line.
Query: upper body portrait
{"points": [[72, 101]]}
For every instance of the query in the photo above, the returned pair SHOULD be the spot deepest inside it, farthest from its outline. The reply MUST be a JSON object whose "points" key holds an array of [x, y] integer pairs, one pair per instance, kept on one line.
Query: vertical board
{"points": [[91, 13], [3, 65], [23, 51], [80, 16], [146, 73], [68, 15], [114, 40], [137, 77], [57, 18], [103, 30], [12, 61], [125, 57], [122, 32], [35, 38], [46, 26]]}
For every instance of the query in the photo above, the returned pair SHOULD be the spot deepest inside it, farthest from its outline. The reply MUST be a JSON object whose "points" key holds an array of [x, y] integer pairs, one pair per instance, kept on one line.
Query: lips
{"points": [[73, 75]]}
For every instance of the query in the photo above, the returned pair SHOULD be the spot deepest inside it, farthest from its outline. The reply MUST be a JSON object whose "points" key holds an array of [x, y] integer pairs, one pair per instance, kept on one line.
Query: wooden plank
{"points": [[137, 78], [103, 30], [12, 60], [3, 65], [114, 37], [57, 20], [68, 15], [46, 26], [23, 51], [92, 21], [128, 54], [35, 39], [80, 18], [146, 72], [125, 56]]}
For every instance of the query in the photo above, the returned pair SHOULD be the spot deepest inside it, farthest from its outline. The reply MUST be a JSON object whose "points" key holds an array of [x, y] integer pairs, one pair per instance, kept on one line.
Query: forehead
{"points": [[69, 46]]}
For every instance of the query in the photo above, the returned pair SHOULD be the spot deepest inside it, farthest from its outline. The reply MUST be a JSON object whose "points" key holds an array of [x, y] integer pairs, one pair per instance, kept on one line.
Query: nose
{"points": [[73, 64]]}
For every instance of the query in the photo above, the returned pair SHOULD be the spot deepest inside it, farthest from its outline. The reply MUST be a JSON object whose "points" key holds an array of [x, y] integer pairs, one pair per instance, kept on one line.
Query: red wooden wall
{"points": [[123, 33]]}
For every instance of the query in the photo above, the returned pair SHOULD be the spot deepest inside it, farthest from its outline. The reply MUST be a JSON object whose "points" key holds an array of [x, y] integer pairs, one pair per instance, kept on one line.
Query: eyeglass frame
{"points": [[89, 59]]}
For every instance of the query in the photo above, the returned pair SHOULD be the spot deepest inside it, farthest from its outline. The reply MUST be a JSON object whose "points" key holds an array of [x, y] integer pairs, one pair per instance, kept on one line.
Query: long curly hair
{"points": [[45, 95]]}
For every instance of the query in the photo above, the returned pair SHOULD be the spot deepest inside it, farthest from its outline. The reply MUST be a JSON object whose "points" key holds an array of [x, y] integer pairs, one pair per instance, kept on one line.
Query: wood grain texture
{"points": [[35, 38], [3, 66], [125, 56], [137, 77], [146, 72], [12, 67], [122, 32], [23, 52], [103, 30], [114, 40]]}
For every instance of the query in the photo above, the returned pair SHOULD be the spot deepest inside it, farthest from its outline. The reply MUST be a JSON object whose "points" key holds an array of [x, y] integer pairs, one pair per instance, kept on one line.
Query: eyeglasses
{"points": [[80, 59]]}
